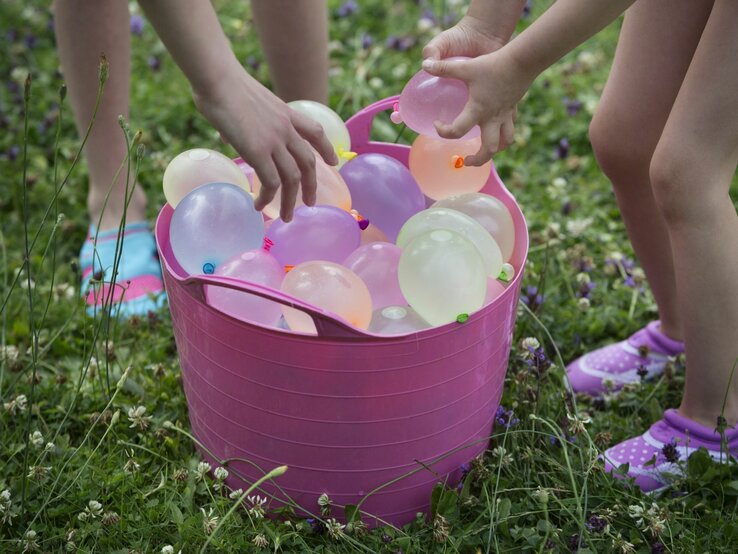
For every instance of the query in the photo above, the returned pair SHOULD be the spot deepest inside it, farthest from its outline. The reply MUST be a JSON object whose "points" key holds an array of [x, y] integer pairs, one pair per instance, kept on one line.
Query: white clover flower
{"points": [[530, 343], [93, 510], [39, 473], [583, 304], [17, 405], [138, 418], [425, 24], [49, 446], [9, 354], [335, 529], [30, 544], [577, 227], [203, 468], [376, 83], [583, 278], [235, 495], [209, 521], [36, 439], [221, 473], [559, 182], [168, 549], [260, 541]]}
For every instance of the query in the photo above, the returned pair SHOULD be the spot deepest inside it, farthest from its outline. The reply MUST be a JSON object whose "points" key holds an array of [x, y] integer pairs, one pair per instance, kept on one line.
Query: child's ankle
{"points": [[107, 216]]}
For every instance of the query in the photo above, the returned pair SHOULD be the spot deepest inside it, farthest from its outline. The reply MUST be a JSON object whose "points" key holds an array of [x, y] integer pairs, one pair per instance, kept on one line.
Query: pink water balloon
{"points": [[376, 264], [332, 190], [396, 320], [427, 99], [383, 191], [372, 234], [438, 167], [315, 233], [254, 266], [330, 287], [494, 289]]}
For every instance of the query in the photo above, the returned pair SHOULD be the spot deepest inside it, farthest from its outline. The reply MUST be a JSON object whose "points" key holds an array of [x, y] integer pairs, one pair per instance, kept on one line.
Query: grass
{"points": [[95, 453]]}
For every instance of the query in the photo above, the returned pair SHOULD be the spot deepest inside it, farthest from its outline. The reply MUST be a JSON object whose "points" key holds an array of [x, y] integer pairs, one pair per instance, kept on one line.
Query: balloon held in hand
{"points": [[427, 99]]}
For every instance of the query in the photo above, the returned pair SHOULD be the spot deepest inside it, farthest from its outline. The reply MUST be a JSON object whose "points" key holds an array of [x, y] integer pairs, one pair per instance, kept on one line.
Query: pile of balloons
{"points": [[370, 251]]}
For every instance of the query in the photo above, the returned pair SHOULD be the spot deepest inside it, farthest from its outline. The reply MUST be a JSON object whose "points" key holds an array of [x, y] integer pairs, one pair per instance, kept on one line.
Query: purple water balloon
{"points": [[315, 233], [254, 266], [376, 263], [383, 191], [213, 223], [426, 99]]}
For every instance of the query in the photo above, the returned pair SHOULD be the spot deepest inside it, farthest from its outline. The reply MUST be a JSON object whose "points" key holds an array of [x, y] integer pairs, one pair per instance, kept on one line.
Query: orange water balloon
{"points": [[330, 287], [438, 167]]}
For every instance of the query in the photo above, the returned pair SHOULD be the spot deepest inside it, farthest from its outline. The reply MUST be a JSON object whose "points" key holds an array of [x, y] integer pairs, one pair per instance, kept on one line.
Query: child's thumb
{"points": [[445, 68]]}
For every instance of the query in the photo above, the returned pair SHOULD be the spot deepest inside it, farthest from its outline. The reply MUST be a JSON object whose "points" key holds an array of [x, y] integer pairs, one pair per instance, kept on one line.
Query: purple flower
{"points": [[406, 44], [527, 8], [392, 42], [531, 297], [13, 152], [506, 418], [154, 63], [537, 361], [366, 41], [629, 282], [596, 524], [670, 452], [658, 548], [253, 62], [562, 150], [30, 41], [572, 106], [585, 289], [429, 15], [347, 8], [137, 25]]}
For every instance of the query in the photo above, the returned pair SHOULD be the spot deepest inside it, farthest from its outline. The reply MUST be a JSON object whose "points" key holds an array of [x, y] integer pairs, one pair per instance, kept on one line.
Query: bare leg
{"points": [[294, 36], [84, 30], [691, 171], [656, 45]]}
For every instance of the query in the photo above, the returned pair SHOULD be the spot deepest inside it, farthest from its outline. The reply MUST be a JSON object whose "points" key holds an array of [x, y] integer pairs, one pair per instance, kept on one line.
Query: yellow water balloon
{"points": [[442, 276], [445, 218], [197, 167], [333, 126]]}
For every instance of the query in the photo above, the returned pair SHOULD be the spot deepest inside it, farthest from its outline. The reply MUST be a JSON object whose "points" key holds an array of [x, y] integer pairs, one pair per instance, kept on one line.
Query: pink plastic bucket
{"points": [[349, 412]]}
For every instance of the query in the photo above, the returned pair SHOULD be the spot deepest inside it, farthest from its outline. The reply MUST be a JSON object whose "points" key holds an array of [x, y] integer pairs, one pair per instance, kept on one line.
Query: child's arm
{"points": [[274, 139], [497, 81], [486, 27]]}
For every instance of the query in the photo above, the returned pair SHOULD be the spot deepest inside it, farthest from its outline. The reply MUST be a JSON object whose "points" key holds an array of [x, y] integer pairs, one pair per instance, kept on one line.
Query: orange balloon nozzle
{"points": [[458, 161], [288, 268]]}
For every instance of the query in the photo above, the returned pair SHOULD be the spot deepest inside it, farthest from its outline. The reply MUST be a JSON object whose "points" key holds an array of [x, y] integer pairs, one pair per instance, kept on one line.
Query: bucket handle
{"points": [[327, 324], [360, 124]]}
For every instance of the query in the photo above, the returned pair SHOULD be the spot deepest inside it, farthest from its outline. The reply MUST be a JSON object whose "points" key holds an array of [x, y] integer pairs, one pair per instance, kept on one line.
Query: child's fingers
{"points": [[305, 158], [454, 69], [289, 175], [312, 132], [460, 126], [269, 178], [433, 50], [507, 133], [490, 145]]}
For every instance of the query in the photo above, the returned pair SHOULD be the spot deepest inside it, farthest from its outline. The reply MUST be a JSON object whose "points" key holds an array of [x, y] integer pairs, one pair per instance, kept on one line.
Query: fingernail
{"points": [[428, 64]]}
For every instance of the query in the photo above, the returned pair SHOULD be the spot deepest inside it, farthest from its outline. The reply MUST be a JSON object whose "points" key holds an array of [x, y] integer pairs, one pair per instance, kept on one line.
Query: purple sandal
{"points": [[653, 456], [645, 352]]}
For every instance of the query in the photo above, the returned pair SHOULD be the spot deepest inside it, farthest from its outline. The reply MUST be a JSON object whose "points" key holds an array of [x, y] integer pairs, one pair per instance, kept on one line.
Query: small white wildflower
{"points": [[425, 24], [36, 439], [335, 529], [501, 453], [64, 291], [376, 83], [583, 304], [93, 510], [39, 473], [138, 418], [324, 500], [9, 354], [559, 182], [619, 544], [577, 227], [209, 521], [583, 278], [221, 473], [260, 541], [17, 405], [541, 495], [168, 549], [30, 542], [93, 365], [203, 468], [49, 446], [530, 343], [552, 230], [6, 507], [577, 423], [235, 495], [131, 465], [399, 71], [635, 511], [257, 506]]}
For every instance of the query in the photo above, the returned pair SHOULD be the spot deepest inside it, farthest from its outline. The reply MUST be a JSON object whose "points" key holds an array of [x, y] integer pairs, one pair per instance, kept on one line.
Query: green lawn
{"points": [[84, 468]]}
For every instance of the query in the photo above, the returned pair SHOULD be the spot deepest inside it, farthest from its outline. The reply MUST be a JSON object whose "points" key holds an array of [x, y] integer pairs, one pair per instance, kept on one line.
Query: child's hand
{"points": [[496, 85], [470, 37], [270, 136]]}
